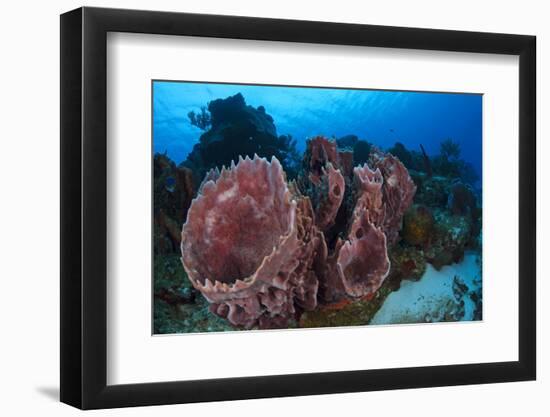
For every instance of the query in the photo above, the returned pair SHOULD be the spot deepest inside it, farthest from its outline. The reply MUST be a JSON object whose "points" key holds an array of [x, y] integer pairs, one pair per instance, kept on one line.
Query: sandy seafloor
{"points": [[450, 291]]}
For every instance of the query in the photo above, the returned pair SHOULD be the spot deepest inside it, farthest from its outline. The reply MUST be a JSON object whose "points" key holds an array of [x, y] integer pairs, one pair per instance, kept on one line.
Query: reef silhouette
{"points": [[232, 129]]}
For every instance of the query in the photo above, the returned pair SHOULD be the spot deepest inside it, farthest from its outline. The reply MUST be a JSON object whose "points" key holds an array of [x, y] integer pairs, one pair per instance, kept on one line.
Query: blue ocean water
{"points": [[380, 117]]}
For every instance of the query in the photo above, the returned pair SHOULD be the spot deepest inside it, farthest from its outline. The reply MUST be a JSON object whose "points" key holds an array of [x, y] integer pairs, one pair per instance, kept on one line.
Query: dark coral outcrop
{"points": [[173, 191], [237, 129], [418, 225], [358, 148]]}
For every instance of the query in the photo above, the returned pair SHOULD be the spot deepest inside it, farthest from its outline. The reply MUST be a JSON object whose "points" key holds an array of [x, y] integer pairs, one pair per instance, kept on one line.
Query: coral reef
{"points": [[256, 247], [345, 234]]}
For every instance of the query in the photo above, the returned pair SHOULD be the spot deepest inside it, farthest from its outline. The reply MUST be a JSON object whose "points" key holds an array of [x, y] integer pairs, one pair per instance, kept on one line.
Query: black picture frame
{"points": [[84, 207]]}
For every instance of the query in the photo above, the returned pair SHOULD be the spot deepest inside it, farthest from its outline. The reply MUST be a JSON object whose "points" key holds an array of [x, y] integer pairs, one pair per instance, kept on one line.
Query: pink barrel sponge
{"points": [[259, 251], [398, 191], [243, 240], [359, 263], [332, 186], [363, 263]]}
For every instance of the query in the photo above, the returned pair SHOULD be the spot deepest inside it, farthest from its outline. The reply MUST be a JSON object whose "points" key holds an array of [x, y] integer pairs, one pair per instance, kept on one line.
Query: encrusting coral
{"points": [[262, 250]]}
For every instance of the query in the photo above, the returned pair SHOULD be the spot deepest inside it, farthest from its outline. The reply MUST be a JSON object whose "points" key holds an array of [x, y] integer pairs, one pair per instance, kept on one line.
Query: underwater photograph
{"points": [[283, 207]]}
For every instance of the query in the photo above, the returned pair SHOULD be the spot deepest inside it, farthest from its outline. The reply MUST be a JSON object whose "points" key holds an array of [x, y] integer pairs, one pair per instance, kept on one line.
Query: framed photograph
{"points": [[256, 208]]}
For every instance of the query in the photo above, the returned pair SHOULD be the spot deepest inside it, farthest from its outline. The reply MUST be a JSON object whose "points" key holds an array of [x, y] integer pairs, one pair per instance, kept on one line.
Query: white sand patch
{"points": [[437, 296]]}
